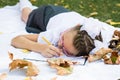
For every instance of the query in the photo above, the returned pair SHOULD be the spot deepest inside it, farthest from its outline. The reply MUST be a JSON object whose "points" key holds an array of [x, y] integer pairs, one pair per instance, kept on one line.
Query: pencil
{"points": [[48, 42]]}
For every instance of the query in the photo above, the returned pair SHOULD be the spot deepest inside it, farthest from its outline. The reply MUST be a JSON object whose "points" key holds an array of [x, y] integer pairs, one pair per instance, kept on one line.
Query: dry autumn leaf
{"points": [[55, 78], [25, 51], [63, 67], [93, 14], [113, 59], [118, 4], [109, 21], [28, 78], [33, 0], [66, 6], [99, 54], [1, 32], [10, 55], [32, 70], [3, 76]]}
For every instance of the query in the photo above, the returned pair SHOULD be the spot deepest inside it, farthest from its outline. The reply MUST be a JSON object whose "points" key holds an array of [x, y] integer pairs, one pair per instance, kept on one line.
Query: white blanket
{"points": [[11, 25]]}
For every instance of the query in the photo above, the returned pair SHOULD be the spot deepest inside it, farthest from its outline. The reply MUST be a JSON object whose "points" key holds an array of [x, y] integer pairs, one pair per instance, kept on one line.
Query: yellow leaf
{"points": [[66, 6], [28, 78], [62, 1], [81, 6], [1, 32], [93, 14], [55, 4], [114, 23], [118, 4], [33, 0], [109, 21], [25, 51]]}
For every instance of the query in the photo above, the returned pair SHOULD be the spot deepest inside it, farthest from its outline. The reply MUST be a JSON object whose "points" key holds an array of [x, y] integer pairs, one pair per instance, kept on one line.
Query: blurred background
{"points": [[105, 10]]}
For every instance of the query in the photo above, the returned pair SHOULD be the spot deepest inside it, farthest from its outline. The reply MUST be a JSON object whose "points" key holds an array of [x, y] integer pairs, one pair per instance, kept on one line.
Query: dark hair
{"points": [[83, 42]]}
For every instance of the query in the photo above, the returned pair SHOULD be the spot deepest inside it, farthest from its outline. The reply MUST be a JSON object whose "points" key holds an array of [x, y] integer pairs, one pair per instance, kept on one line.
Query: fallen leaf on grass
{"points": [[33, 0], [93, 14], [32, 70], [3, 76], [118, 4], [109, 21], [66, 6]]}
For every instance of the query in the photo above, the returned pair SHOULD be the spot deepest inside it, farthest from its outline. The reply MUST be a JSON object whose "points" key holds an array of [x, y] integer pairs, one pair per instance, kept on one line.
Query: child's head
{"points": [[82, 42], [75, 42]]}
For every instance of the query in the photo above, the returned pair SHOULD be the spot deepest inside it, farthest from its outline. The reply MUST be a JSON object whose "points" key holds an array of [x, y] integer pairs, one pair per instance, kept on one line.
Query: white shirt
{"points": [[58, 24], [94, 27], [63, 21]]}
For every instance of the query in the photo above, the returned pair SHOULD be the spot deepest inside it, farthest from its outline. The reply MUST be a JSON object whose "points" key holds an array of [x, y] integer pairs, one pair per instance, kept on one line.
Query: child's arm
{"points": [[30, 42]]}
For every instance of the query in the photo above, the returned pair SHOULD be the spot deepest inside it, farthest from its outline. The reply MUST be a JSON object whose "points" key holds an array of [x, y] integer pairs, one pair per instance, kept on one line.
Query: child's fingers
{"points": [[52, 52], [55, 49], [48, 55]]}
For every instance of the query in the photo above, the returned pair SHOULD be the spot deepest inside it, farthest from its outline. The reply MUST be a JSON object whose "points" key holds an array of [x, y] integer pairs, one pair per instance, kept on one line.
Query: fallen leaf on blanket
{"points": [[25, 51], [115, 42], [1, 32], [99, 54], [55, 78], [10, 55], [3, 76], [32, 70], [63, 67], [118, 60], [117, 33], [93, 14], [113, 59], [28, 78]]}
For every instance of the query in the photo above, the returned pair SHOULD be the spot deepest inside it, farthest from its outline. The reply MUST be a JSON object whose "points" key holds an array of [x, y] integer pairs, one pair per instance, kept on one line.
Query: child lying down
{"points": [[67, 32]]}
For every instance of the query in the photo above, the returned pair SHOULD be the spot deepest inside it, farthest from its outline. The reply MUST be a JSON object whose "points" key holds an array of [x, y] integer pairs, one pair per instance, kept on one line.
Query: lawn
{"points": [[104, 10]]}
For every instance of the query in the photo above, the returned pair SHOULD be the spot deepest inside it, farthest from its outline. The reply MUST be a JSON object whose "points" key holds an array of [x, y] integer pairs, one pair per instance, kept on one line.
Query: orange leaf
{"points": [[10, 55], [55, 78], [32, 70], [63, 67], [3, 76]]}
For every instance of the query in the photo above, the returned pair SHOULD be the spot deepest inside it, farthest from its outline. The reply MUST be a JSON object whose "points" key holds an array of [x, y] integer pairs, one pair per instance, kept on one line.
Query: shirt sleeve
{"points": [[51, 35], [98, 45], [92, 26]]}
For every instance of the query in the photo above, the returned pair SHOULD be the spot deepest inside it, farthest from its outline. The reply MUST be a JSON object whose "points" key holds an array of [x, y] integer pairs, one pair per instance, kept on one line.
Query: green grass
{"points": [[105, 9]]}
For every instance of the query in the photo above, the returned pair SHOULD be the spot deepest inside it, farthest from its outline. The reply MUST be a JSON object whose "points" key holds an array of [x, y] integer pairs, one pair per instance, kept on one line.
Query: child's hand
{"points": [[50, 51]]}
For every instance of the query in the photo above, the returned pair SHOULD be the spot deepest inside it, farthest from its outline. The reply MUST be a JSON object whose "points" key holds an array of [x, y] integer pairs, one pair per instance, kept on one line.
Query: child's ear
{"points": [[78, 25]]}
